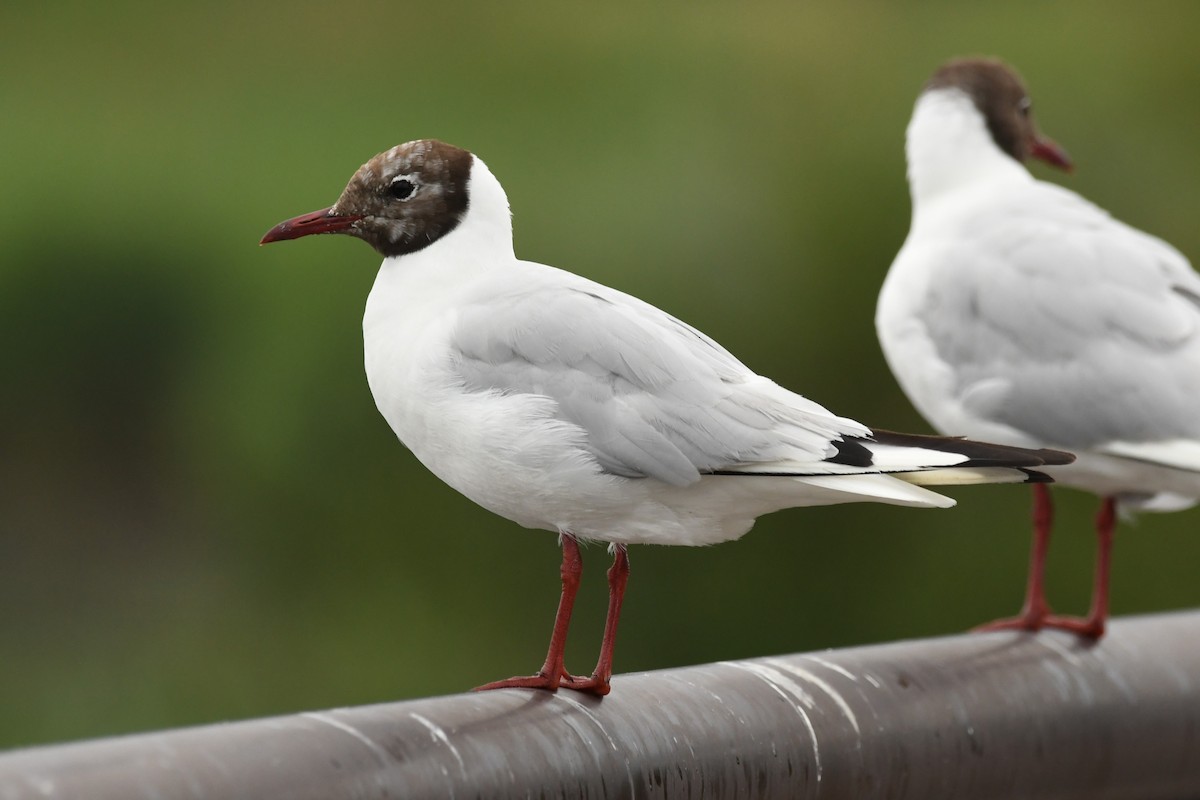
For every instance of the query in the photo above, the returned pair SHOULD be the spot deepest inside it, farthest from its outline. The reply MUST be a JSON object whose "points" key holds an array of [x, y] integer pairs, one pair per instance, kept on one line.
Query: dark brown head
{"points": [[399, 202], [1000, 96]]}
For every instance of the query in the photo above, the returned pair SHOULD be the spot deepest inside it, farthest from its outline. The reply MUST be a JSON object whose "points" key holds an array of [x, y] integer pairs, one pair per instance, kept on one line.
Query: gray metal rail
{"points": [[973, 716]]}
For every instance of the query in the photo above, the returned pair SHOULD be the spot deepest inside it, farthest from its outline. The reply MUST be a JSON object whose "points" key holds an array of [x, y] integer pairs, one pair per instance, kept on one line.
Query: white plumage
{"points": [[563, 404], [566, 405]]}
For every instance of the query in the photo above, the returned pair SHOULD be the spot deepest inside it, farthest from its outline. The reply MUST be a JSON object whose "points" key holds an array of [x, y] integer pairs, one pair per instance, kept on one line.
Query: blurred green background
{"points": [[202, 515]]}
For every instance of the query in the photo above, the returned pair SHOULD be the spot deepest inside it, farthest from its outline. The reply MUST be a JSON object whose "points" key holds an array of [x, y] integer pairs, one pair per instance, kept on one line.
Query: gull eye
{"points": [[401, 188], [1025, 106]]}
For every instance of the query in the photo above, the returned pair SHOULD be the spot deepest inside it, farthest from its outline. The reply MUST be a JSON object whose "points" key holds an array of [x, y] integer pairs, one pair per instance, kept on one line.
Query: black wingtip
{"points": [[1055, 457], [851, 452], [980, 454]]}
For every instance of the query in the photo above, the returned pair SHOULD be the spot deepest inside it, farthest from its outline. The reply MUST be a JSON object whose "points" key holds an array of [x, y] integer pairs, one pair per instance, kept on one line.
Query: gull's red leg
{"points": [[1035, 610], [1092, 626], [618, 576], [552, 672]]}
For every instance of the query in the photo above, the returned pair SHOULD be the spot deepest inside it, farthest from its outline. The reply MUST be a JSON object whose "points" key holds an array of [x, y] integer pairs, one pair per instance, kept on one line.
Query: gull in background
{"points": [[1019, 312], [565, 405]]}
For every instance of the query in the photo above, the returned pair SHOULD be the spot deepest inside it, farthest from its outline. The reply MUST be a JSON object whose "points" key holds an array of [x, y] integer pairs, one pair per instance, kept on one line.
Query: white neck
{"points": [[949, 147], [487, 226]]}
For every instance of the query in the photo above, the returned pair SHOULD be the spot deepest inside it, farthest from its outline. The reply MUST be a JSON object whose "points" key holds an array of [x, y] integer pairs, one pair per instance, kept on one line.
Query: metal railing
{"points": [[973, 716]]}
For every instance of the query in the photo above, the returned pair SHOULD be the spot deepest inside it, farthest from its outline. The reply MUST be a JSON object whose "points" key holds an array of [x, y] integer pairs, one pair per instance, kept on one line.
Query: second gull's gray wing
{"points": [[1069, 325]]}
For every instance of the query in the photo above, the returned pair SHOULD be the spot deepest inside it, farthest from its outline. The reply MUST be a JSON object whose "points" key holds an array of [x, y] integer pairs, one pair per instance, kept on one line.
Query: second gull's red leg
{"points": [[618, 576], [1035, 610], [1092, 626]]}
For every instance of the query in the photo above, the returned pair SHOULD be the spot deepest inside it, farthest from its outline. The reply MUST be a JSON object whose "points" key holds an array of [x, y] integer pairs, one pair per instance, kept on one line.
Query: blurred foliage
{"points": [[202, 516]]}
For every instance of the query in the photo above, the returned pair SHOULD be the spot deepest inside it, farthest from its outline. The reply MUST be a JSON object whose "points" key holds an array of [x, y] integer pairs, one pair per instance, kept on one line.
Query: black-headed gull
{"points": [[1019, 312], [565, 405]]}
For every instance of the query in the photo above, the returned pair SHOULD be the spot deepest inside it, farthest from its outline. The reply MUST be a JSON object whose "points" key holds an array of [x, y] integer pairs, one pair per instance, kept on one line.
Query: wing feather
{"points": [[654, 396], [1064, 323]]}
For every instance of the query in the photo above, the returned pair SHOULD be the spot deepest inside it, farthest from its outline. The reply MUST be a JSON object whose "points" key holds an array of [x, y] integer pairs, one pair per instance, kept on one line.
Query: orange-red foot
{"points": [[539, 681], [592, 685], [525, 682], [1027, 620], [1086, 627]]}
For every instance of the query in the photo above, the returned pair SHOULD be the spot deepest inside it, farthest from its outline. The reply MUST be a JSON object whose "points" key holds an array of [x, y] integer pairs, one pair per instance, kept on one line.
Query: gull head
{"points": [[998, 92], [399, 202]]}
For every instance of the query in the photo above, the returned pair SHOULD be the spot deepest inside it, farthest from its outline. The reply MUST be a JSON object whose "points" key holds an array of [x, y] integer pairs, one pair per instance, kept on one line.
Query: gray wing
{"points": [[1067, 324], [654, 396]]}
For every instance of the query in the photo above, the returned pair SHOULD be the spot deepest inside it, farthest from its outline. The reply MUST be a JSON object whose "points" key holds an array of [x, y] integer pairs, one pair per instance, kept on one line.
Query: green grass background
{"points": [[202, 515]]}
